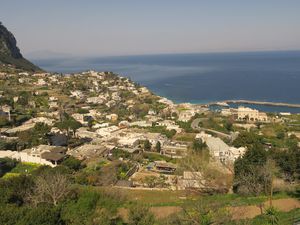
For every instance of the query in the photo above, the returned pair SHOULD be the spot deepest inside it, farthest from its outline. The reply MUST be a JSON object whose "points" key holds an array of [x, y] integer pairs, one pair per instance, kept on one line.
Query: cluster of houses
{"points": [[103, 128]]}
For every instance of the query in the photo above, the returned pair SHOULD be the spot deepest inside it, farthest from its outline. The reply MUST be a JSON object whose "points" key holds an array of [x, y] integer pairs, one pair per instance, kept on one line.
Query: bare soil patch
{"points": [[251, 211], [160, 212]]}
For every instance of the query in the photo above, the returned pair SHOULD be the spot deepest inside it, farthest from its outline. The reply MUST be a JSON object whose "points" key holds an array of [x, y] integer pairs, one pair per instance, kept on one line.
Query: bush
{"points": [[42, 215], [15, 189], [6, 165], [80, 211], [11, 214], [140, 215], [72, 163], [249, 172]]}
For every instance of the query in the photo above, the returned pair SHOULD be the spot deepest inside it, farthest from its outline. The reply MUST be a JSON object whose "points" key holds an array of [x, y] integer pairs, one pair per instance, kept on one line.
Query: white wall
{"points": [[24, 157]]}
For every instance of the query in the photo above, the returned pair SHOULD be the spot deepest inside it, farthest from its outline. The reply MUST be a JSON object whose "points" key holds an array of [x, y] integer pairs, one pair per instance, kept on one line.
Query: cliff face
{"points": [[10, 53]]}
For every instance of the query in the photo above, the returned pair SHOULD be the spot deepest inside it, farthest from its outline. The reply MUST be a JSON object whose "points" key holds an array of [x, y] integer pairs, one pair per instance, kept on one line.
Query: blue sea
{"points": [[202, 78]]}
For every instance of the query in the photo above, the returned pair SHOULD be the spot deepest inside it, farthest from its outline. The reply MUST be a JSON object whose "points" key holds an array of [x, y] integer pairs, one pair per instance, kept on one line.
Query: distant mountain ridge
{"points": [[10, 53]]}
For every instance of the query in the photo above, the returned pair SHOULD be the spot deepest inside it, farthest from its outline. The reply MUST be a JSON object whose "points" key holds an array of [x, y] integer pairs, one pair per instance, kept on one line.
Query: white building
{"points": [[107, 131], [248, 114], [82, 132], [170, 125], [219, 149], [77, 94], [113, 117], [78, 117], [174, 150], [44, 120], [41, 82], [186, 115], [141, 123], [42, 154], [24, 157], [95, 100]]}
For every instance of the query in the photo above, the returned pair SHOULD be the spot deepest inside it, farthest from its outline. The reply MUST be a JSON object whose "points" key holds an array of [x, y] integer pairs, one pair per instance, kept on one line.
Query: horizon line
{"points": [[66, 55]]}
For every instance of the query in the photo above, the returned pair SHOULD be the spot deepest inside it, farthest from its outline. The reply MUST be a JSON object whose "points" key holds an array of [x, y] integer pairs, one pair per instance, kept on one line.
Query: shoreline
{"points": [[266, 103]]}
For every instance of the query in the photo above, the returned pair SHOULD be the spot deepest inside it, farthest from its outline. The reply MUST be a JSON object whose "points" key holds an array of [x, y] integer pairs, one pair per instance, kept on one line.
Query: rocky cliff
{"points": [[10, 53]]}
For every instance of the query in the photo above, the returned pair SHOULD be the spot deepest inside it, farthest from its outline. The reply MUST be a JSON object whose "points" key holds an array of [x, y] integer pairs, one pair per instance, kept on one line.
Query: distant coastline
{"points": [[257, 103], [256, 77]]}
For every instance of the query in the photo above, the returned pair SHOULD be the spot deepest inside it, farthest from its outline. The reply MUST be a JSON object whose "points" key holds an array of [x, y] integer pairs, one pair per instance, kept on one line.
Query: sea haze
{"points": [[201, 78]]}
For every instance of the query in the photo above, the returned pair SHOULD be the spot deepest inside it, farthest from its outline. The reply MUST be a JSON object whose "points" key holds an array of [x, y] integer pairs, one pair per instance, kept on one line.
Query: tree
{"points": [[3, 121], [80, 212], [140, 215], [24, 97], [270, 171], [228, 125], [11, 214], [158, 146], [287, 161], [6, 165], [249, 172], [198, 145], [46, 215], [206, 213], [147, 145], [36, 136], [50, 187], [104, 217], [72, 163], [15, 189], [68, 124], [247, 139], [280, 134]]}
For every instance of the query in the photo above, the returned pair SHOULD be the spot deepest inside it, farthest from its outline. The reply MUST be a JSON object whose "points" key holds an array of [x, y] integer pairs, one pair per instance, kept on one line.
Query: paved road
{"points": [[195, 126]]}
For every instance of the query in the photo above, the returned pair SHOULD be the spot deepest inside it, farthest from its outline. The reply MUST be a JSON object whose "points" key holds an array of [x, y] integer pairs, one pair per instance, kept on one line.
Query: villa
{"points": [[248, 114]]}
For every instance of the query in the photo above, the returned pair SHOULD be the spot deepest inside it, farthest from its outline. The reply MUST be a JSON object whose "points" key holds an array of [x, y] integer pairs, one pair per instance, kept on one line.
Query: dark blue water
{"points": [[202, 78]]}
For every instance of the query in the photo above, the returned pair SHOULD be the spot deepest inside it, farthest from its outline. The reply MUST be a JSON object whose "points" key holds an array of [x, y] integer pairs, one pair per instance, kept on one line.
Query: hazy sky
{"points": [[125, 27]]}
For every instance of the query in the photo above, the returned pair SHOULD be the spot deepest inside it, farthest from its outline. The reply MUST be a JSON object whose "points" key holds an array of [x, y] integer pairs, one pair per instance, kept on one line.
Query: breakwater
{"points": [[281, 104]]}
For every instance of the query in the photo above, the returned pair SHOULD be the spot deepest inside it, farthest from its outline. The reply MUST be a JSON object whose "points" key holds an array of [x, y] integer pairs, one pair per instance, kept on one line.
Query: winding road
{"points": [[195, 126]]}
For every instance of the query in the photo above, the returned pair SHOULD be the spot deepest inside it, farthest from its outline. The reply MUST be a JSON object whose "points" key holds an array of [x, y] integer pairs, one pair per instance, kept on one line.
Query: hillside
{"points": [[10, 53]]}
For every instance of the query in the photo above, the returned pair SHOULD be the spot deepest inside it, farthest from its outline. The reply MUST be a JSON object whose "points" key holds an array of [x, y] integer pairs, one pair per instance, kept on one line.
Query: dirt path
{"points": [[239, 212], [160, 212], [243, 212]]}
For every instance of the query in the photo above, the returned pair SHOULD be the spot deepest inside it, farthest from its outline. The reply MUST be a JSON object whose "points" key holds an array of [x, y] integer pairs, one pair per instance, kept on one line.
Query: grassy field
{"points": [[284, 218], [188, 137], [180, 198], [163, 203], [22, 168]]}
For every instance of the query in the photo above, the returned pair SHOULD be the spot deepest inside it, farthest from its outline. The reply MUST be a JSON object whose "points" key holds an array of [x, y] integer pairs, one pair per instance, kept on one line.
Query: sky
{"points": [[134, 27]]}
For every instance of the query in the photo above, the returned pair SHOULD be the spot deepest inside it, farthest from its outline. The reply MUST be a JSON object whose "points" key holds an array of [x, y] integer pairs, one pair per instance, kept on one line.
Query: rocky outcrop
{"points": [[10, 53]]}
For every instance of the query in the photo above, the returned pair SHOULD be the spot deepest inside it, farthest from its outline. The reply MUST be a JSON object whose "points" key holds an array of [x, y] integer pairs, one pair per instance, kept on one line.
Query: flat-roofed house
{"points": [[174, 150], [164, 167]]}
